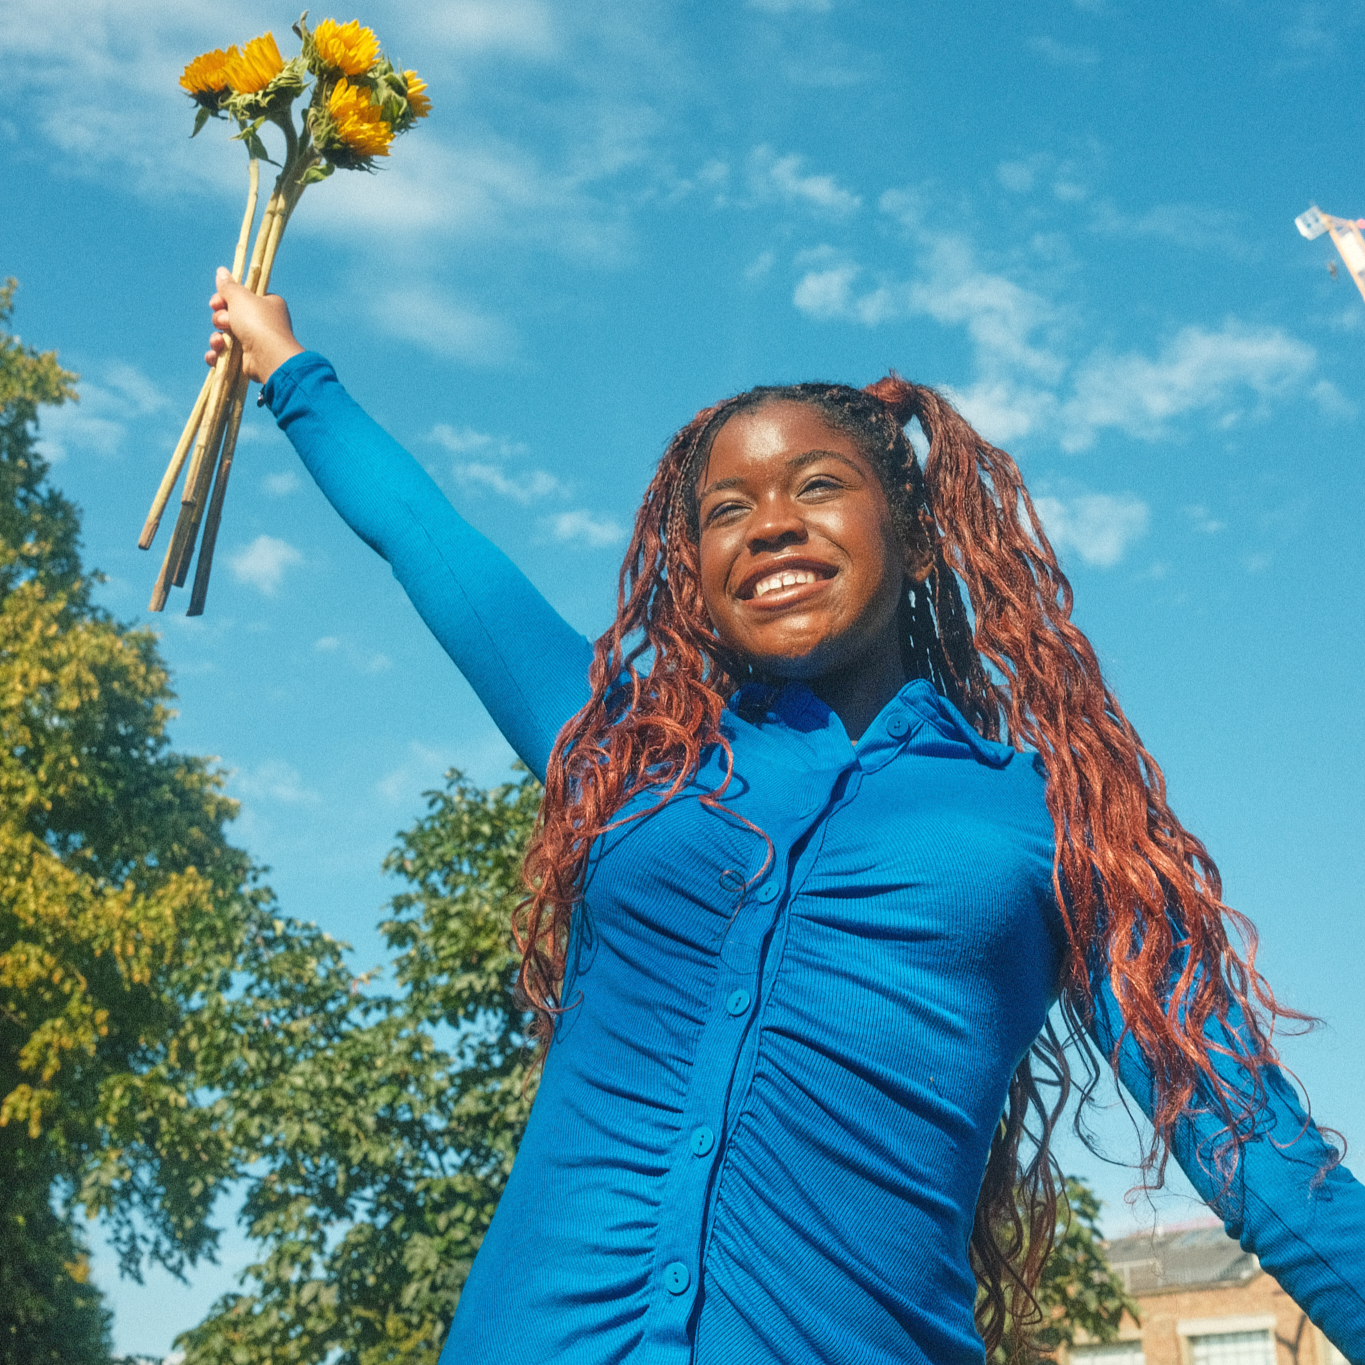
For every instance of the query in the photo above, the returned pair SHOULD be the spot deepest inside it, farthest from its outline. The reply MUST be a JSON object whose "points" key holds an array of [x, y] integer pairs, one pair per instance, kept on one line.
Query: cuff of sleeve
{"points": [[286, 379]]}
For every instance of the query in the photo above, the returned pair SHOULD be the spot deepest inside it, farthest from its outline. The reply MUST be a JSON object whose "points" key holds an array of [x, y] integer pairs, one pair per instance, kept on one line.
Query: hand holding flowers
{"points": [[360, 102]]}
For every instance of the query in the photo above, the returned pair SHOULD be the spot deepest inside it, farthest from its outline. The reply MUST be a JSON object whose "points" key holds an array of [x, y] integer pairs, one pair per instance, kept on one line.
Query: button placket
{"points": [[772, 967], [684, 1212]]}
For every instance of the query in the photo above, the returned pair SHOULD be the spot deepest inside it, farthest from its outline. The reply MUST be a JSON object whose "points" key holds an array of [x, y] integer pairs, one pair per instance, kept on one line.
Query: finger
{"points": [[217, 302], [222, 320]]}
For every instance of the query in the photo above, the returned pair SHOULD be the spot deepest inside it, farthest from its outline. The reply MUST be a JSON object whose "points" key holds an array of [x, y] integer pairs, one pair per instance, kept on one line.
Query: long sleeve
{"points": [[526, 664], [1302, 1217]]}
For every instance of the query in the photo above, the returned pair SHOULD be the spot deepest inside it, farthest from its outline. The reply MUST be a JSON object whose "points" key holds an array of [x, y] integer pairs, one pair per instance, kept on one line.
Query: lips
{"points": [[775, 581]]}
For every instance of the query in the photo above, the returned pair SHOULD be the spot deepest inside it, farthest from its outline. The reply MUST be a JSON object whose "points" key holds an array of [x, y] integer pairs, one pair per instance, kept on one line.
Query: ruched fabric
{"points": [[763, 1121]]}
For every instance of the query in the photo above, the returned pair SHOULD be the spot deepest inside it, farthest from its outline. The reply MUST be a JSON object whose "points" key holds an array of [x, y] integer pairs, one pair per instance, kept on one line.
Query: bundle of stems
{"points": [[216, 417], [360, 102]]}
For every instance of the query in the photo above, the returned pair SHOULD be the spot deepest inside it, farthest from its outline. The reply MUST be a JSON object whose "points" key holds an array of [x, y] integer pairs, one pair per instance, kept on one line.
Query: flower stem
{"points": [[177, 463]]}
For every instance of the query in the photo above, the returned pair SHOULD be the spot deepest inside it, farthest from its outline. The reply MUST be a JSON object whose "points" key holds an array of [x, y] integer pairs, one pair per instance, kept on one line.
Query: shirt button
{"points": [[738, 1002], [703, 1139], [768, 892], [676, 1278], [897, 726]]}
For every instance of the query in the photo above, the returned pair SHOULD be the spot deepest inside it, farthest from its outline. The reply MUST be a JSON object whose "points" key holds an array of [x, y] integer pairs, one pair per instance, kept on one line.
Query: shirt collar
{"points": [[917, 720]]}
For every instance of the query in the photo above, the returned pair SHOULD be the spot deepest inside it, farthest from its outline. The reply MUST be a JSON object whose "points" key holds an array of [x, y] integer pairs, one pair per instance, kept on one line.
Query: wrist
{"points": [[268, 359]]}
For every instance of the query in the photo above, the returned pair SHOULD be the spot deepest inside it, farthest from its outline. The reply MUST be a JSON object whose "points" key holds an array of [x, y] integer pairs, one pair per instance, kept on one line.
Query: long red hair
{"points": [[1134, 886]]}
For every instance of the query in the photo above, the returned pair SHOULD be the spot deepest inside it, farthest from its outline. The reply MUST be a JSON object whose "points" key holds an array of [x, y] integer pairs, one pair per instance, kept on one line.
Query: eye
{"points": [[818, 484], [721, 512]]}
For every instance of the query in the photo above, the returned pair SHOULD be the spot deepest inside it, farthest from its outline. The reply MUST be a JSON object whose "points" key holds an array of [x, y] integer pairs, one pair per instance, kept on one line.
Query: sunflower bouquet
{"points": [[360, 102]]}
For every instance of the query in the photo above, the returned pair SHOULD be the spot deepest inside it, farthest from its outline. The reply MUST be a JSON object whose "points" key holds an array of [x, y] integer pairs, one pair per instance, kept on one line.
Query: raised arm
{"points": [[1300, 1214], [527, 665]]}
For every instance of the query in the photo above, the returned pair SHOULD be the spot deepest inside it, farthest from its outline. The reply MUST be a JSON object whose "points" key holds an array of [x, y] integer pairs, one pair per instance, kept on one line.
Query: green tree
{"points": [[123, 911], [374, 1131], [1078, 1291]]}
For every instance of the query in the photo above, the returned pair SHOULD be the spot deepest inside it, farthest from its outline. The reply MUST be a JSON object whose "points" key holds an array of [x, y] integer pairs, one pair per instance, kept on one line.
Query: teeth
{"points": [[788, 578]]}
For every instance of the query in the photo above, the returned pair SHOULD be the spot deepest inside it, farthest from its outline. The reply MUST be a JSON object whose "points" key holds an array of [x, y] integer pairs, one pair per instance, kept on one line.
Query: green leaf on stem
{"points": [[201, 117]]}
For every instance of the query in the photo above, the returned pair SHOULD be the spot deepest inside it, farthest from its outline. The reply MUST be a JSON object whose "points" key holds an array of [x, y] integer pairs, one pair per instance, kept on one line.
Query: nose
{"points": [[776, 521]]}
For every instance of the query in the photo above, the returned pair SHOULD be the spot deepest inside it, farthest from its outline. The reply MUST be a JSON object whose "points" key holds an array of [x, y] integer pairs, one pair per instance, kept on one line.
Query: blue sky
{"points": [[1076, 215]]}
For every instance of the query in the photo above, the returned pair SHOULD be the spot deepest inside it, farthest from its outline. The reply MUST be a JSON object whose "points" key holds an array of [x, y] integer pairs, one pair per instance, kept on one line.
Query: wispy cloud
{"points": [[263, 563], [522, 28], [524, 488], [421, 767], [1099, 527], [274, 780], [1197, 370], [791, 6], [281, 485], [467, 441], [1063, 54], [100, 421], [1028, 380], [585, 528], [784, 178], [444, 326]]}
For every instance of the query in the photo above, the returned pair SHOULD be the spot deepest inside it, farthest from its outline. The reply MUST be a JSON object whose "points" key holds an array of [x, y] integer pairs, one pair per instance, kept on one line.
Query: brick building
{"points": [[1204, 1301]]}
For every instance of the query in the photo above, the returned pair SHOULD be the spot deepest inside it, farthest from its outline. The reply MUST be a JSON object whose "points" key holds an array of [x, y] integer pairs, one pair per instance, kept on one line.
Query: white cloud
{"points": [[781, 177], [999, 315], [521, 28], [263, 562], [1099, 527], [1063, 54], [585, 528], [444, 327], [1198, 370], [791, 6], [1202, 520], [760, 266], [524, 488], [1331, 400], [422, 768], [1026, 383], [99, 422], [329, 644], [282, 484], [460, 440], [274, 780]]}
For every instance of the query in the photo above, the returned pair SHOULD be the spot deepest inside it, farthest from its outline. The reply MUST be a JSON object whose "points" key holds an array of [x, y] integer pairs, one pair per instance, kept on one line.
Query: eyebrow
{"points": [[796, 462]]}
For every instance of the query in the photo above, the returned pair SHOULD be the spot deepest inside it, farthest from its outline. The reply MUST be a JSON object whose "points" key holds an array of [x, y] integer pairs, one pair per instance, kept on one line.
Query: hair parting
{"points": [[1137, 891]]}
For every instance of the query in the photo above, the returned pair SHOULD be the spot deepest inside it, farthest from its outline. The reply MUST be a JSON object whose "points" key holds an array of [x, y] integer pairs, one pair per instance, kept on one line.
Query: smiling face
{"points": [[802, 568]]}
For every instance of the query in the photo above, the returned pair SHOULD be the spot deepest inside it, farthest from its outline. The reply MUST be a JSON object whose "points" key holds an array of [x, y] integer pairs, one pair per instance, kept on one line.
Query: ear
{"points": [[919, 552]]}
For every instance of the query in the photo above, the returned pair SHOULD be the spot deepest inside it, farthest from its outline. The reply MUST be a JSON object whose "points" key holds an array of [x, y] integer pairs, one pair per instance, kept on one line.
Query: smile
{"points": [[788, 578], [778, 584]]}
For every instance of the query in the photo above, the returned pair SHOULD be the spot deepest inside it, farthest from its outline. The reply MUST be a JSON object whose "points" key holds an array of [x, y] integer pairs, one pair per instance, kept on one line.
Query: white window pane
{"points": [[1117, 1353], [1233, 1348]]}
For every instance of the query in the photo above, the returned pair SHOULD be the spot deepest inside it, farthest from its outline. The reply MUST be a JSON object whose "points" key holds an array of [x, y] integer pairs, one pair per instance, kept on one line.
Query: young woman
{"points": [[819, 850]]}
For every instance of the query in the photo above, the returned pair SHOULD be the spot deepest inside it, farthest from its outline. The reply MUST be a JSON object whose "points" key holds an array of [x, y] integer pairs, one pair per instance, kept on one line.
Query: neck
{"points": [[857, 695]]}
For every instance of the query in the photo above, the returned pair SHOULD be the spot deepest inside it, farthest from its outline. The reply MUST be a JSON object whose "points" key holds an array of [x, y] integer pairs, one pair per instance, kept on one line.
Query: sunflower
{"points": [[252, 69], [207, 73], [347, 48], [418, 102], [360, 123]]}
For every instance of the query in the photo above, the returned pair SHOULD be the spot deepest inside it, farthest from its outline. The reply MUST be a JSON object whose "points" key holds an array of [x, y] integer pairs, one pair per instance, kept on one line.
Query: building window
{"points": [[1233, 1348], [1116, 1353]]}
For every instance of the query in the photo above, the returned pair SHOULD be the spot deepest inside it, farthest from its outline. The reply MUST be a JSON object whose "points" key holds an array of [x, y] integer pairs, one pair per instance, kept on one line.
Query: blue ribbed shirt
{"points": [[763, 1121]]}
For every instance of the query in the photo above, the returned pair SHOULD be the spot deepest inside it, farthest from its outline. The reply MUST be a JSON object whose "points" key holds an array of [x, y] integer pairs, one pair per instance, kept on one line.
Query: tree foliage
{"points": [[1078, 1291], [122, 911], [375, 1130]]}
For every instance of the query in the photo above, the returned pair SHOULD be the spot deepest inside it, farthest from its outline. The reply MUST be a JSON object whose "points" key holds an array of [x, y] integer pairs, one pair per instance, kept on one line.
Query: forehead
{"points": [[768, 437]]}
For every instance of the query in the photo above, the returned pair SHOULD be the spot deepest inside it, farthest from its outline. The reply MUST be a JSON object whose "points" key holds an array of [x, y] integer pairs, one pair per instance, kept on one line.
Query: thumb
{"points": [[225, 284]]}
